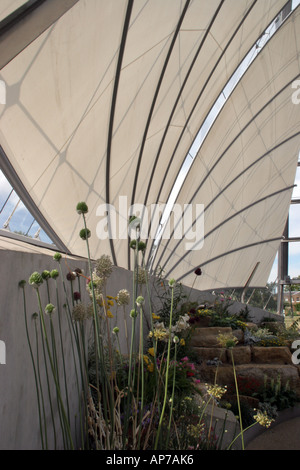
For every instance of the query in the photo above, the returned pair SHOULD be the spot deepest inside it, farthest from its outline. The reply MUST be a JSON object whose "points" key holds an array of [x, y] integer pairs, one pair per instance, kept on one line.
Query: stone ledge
{"points": [[256, 372], [208, 337], [271, 355]]}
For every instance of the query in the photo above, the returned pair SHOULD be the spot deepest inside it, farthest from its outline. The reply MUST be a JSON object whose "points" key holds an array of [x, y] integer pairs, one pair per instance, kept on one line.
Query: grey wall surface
{"points": [[19, 420]]}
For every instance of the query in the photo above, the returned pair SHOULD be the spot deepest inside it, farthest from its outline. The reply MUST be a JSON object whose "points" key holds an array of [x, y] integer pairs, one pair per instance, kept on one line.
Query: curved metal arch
{"points": [[229, 146], [175, 35], [193, 109], [196, 102], [112, 113], [235, 250], [269, 196], [238, 176]]}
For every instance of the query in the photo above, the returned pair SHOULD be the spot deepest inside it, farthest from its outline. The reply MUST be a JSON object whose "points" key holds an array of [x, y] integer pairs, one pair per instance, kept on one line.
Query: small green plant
{"points": [[276, 394]]}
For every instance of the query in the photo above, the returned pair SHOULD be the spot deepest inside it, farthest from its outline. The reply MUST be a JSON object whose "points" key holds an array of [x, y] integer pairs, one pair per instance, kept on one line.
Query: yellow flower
{"points": [[227, 340], [263, 419], [146, 359], [182, 342], [110, 302], [151, 351], [150, 367], [109, 314], [216, 391], [109, 297], [155, 317]]}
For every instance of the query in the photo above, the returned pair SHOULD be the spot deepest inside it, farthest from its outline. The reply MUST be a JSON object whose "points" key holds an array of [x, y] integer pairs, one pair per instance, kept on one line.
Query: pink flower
{"points": [[185, 359]]}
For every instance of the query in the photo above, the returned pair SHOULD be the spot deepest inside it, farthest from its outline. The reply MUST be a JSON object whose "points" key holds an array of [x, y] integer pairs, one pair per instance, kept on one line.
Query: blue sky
{"points": [[294, 231]]}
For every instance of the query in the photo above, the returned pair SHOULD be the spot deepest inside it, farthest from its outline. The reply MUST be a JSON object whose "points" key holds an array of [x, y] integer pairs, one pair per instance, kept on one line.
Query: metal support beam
{"points": [[283, 257], [27, 23]]}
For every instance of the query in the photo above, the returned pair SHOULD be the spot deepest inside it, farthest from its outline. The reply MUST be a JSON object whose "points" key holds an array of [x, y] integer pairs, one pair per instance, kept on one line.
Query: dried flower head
{"points": [[96, 285], [35, 280], [22, 283], [79, 312], [104, 266], [71, 276], [141, 276], [198, 272], [76, 296], [123, 297]]}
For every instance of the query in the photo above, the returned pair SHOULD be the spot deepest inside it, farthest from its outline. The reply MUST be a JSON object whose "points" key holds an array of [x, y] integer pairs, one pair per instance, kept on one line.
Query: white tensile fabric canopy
{"points": [[105, 102]]}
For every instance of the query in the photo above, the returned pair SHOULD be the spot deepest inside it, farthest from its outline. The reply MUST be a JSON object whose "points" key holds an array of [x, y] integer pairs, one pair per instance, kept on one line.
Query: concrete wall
{"points": [[19, 421]]}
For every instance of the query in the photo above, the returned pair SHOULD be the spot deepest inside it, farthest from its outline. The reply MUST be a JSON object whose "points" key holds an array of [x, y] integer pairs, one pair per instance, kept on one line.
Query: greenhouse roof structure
{"points": [[106, 102]]}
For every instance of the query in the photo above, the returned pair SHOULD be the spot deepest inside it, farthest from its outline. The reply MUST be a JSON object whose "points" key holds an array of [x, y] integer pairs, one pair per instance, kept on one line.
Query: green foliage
{"points": [[276, 394]]}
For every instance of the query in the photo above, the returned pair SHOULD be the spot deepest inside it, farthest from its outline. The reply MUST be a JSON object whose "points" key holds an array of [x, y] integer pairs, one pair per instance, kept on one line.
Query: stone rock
{"points": [[256, 373], [271, 355], [200, 321], [252, 326], [239, 334], [244, 399], [241, 355], [212, 374], [208, 354], [208, 337], [288, 374]]}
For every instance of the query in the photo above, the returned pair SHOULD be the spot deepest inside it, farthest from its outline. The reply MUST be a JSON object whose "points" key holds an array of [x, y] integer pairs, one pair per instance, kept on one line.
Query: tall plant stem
{"points": [[62, 348], [107, 393], [133, 326], [238, 399], [34, 371], [65, 421], [172, 397], [166, 376], [142, 374]]}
